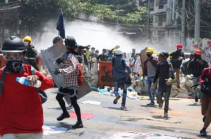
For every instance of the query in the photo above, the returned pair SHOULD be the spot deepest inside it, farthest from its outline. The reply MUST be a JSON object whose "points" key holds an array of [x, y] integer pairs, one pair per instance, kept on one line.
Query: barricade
{"points": [[105, 74]]}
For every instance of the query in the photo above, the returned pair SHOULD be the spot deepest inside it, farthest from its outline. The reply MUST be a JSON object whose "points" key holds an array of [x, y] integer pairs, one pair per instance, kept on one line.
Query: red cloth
{"points": [[206, 73], [83, 115], [20, 106]]}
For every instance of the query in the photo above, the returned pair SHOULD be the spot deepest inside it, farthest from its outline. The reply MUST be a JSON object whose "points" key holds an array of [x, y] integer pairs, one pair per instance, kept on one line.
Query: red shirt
{"points": [[20, 106], [206, 73]]}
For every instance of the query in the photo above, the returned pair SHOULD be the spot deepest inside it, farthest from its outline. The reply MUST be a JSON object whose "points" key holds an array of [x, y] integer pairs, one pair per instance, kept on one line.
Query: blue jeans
{"points": [[149, 84], [197, 92], [124, 95]]}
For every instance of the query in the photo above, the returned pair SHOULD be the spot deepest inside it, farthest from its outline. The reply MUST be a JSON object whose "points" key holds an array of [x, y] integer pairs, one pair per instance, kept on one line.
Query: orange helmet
{"points": [[198, 52]]}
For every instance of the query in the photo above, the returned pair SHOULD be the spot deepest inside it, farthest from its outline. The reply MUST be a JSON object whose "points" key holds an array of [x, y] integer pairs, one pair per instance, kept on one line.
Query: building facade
{"points": [[165, 28]]}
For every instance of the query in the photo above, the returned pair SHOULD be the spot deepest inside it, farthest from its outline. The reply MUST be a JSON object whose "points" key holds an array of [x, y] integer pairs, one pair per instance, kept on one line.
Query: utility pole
{"points": [[148, 28], [197, 21], [183, 39]]}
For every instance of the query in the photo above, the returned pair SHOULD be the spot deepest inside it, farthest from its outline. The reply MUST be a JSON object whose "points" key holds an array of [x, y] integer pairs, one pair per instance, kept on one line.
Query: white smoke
{"points": [[89, 33]]}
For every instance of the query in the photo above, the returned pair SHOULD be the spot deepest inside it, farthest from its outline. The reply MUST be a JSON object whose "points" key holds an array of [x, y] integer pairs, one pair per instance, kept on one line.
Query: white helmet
{"points": [[118, 52]]}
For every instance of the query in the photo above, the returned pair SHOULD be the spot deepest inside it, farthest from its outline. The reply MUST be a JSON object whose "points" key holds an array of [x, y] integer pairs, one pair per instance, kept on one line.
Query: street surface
{"points": [[184, 120]]}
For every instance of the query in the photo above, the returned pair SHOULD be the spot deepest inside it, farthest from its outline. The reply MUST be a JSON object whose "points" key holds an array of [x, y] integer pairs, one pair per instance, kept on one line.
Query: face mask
{"points": [[15, 66], [149, 55], [14, 62], [179, 50], [26, 43]]}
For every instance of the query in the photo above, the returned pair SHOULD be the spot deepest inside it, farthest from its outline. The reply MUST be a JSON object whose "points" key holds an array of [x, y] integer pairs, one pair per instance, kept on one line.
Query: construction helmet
{"points": [[179, 46], [149, 50], [155, 52], [27, 38], [70, 42], [198, 52], [13, 44], [164, 54], [118, 52]]}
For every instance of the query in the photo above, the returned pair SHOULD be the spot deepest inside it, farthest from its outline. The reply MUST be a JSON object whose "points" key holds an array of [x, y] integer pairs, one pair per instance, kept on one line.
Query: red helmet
{"points": [[179, 46], [198, 52]]}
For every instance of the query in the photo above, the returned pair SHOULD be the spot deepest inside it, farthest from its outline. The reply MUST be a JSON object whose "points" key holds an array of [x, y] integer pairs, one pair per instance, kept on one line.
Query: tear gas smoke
{"points": [[89, 33]]}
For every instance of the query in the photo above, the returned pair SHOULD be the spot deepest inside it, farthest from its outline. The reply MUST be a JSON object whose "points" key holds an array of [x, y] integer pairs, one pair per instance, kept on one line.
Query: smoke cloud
{"points": [[90, 33]]}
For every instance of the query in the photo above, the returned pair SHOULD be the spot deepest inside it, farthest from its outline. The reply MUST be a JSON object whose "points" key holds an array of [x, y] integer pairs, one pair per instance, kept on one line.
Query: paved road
{"points": [[184, 119]]}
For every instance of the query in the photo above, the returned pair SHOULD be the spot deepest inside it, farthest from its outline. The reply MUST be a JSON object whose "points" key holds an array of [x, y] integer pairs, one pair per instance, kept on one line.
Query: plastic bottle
{"points": [[24, 81]]}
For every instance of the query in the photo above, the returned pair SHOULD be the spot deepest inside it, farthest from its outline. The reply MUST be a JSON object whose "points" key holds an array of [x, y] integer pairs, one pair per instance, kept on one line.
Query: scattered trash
{"points": [[85, 116], [92, 102], [135, 135], [48, 130]]}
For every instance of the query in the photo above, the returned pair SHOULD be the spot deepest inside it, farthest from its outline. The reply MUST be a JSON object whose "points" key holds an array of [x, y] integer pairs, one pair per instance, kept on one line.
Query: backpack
{"points": [[80, 76]]}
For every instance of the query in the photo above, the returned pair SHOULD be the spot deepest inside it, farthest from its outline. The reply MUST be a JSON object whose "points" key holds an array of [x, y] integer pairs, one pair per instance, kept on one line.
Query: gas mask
{"points": [[149, 54], [14, 61]]}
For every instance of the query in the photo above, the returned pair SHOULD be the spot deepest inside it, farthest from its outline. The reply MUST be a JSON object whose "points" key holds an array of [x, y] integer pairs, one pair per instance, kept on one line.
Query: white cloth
{"points": [[23, 136], [137, 66]]}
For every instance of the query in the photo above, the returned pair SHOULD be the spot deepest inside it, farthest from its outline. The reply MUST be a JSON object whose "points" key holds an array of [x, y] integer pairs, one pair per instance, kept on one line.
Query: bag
{"points": [[80, 76], [206, 86], [42, 94]]}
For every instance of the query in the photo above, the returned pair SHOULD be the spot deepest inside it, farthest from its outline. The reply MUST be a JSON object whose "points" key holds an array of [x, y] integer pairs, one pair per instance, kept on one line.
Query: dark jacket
{"points": [[196, 66], [102, 57], [164, 71], [32, 55], [175, 58], [120, 69], [154, 62]]}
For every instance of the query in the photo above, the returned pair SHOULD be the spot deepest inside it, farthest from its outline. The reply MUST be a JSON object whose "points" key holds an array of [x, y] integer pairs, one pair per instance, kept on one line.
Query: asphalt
{"points": [[185, 119]]}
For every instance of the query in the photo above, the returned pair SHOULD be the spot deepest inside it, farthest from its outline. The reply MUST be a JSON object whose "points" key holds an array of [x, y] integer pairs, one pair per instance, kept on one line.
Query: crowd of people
{"points": [[21, 105]]}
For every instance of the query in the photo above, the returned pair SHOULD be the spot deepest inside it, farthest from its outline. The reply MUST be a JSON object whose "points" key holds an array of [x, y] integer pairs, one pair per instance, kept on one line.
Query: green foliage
{"points": [[36, 12]]}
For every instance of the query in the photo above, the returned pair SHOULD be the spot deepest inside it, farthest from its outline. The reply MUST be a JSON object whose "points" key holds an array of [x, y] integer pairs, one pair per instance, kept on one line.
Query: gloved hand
{"points": [[169, 81], [60, 60], [56, 71]]}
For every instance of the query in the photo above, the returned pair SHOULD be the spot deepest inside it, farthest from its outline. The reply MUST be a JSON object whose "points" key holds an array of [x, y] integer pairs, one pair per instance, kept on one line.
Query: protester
{"points": [[103, 56], [132, 61], [196, 67], [31, 55], [150, 66], [185, 64], [121, 73], [164, 73], [206, 102], [69, 69], [20, 105], [176, 60]]}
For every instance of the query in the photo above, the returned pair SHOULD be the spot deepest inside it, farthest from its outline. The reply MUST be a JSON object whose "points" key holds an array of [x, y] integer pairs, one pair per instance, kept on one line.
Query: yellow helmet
{"points": [[155, 52], [149, 50], [27, 38]]}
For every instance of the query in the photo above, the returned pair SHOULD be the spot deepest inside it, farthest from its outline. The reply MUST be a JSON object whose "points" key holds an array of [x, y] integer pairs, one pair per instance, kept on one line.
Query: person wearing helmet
{"points": [[121, 73], [176, 60], [103, 56], [196, 66], [31, 55], [111, 51], [20, 105], [165, 74], [69, 69], [206, 101], [150, 65]]}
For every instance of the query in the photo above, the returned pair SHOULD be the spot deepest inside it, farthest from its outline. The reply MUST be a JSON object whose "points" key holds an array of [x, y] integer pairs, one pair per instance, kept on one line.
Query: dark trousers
{"points": [[74, 103], [167, 91]]}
